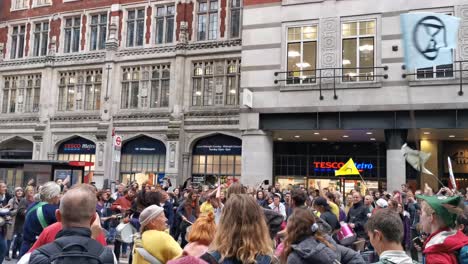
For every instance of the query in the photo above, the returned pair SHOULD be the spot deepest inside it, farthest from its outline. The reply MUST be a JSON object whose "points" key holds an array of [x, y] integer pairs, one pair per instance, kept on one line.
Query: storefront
{"points": [[143, 159], [458, 152], [77, 149], [313, 165], [216, 156]]}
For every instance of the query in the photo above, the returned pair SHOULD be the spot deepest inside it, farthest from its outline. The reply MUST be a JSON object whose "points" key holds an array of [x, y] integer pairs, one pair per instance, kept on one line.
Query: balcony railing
{"points": [[442, 72], [331, 76]]}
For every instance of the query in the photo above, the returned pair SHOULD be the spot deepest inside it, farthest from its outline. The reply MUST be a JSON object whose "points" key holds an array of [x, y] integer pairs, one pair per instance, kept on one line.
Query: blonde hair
{"points": [[242, 232], [203, 230]]}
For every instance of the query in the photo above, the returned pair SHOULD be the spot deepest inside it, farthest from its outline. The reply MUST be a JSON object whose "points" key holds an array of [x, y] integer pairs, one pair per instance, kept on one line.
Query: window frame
{"points": [[79, 103], [301, 42], [144, 99], [358, 37], [10, 41], [199, 83], [231, 8], [63, 37], [14, 6], [21, 106], [33, 38], [126, 28], [36, 3], [99, 25], [207, 14], [154, 25]]}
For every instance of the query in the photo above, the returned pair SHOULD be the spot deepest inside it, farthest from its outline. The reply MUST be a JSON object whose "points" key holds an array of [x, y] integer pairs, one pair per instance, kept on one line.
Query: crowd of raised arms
{"points": [[230, 224]]}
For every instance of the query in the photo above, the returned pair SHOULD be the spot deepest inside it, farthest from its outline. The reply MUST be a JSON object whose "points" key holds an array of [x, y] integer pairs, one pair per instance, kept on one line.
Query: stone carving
{"points": [[113, 40], [172, 154], [53, 46], [183, 35], [38, 150], [100, 154], [2, 47], [329, 46]]}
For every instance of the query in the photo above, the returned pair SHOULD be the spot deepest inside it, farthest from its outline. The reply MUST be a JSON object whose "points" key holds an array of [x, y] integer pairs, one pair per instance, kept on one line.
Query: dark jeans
{"points": [[3, 248], [25, 246], [117, 247], [414, 251], [16, 244]]}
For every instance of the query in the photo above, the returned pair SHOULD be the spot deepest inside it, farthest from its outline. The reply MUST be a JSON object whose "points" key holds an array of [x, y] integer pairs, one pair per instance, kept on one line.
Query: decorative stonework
{"points": [[183, 35], [77, 117], [2, 46], [329, 39], [52, 46], [211, 122], [101, 154], [134, 116], [172, 154]]}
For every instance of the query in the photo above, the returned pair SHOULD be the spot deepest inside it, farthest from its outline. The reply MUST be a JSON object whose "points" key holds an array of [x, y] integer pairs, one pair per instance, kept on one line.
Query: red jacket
{"points": [[124, 202], [48, 236], [442, 246]]}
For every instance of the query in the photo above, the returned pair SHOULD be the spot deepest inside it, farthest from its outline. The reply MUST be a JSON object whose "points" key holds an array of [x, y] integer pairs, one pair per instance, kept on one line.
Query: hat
{"points": [[440, 203], [149, 214], [382, 203], [18, 189], [277, 195]]}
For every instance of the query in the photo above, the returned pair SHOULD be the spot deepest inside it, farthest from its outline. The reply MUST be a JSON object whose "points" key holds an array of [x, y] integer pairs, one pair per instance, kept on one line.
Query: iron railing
{"points": [[343, 75]]}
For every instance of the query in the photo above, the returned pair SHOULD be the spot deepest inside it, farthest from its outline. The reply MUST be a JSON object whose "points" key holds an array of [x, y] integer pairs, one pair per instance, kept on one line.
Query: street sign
{"points": [[118, 142]]}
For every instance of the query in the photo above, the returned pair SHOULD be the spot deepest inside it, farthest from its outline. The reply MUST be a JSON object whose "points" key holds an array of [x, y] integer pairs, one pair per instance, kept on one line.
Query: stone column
{"points": [[172, 163], [257, 157], [396, 164], [186, 167]]}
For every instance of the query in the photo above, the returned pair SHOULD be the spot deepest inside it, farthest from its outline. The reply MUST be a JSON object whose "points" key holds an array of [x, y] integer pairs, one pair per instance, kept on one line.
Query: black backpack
{"points": [[76, 249]]}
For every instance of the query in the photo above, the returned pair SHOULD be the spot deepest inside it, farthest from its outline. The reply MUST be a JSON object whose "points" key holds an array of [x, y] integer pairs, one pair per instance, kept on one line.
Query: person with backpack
{"points": [[385, 231], [73, 244], [445, 244], [40, 215]]}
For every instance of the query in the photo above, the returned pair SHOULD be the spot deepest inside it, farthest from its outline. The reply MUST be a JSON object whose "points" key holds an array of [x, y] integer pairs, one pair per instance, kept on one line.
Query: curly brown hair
{"points": [[299, 228]]}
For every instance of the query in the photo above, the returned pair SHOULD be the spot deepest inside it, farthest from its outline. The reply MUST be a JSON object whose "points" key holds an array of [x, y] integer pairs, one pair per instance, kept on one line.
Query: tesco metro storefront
{"points": [[314, 163]]}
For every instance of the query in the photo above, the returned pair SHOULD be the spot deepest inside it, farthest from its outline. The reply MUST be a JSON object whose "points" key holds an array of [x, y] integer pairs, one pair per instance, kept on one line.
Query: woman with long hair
{"points": [[242, 235], [13, 230], [187, 213], [304, 243]]}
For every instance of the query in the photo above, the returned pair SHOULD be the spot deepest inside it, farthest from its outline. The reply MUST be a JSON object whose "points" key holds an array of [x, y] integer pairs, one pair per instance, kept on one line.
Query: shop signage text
{"points": [[219, 148], [77, 147], [332, 166]]}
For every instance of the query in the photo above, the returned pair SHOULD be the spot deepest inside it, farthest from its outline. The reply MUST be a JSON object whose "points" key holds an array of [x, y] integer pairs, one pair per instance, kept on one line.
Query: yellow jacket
{"points": [[159, 244]]}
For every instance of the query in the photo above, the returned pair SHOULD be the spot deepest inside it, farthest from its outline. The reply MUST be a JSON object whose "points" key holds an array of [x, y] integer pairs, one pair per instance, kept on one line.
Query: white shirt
{"points": [[280, 209]]}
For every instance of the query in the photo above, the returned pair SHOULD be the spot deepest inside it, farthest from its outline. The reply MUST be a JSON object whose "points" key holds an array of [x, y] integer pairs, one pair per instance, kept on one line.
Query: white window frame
{"points": [[41, 3], [10, 42], [22, 103], [229, 16], [434, 68], [14, 7], [154, 28], [32, 38], [62, 33], [301, 41], [89, 26], [196, 20], [125, 25], [79, 98], [358, 37]]}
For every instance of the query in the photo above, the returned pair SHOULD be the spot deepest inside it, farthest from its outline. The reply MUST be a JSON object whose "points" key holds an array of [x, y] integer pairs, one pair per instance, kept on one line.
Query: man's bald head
{"points": [[78, 206]]}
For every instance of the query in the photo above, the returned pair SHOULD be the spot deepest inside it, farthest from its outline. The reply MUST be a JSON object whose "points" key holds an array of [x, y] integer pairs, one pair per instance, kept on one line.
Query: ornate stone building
{"points": [[164, 75]]}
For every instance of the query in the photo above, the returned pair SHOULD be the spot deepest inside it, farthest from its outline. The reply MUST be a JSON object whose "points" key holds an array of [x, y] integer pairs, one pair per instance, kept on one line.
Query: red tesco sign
{"points": [[328, 165]]}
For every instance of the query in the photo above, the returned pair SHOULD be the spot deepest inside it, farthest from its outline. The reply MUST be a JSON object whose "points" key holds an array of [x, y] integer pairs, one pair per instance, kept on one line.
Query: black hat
{"points": [[320, 201]]}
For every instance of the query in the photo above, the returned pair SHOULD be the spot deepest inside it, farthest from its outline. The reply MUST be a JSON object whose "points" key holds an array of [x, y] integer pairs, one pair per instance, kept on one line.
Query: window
{"points": [[216, 83], [19, 4], [302, 54], [358, 51], [164, 24], [98, 32], [21, 93], [135, 27], [235, 18], [41, 38], [146, 82], [17, 42], [80, 90], [42, 2], [213, 166], [208, 20], [72, 34]]}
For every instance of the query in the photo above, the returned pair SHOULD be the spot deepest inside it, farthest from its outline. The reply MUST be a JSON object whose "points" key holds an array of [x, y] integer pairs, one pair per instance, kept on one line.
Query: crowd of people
{"points": [[231, 223]]}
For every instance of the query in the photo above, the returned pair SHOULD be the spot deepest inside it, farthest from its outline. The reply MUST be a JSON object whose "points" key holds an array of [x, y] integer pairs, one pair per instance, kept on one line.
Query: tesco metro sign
{"points": [[332, 166]]}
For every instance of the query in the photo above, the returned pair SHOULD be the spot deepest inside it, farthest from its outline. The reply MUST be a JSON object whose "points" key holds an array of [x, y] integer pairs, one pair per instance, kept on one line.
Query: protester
{"points": [[277, 206], [13, 205], [357, 216], [77, 213], [304, 243], [122, 205], [261, 198], [438, 216], [242, 236], [20, 218], [41, 214], [322, 206], [155, 242], [385, 231], [187, 213], [201, 235]]}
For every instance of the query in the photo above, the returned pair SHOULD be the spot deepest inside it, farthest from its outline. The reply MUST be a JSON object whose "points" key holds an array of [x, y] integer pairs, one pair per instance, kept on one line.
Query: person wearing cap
{"points": [[277, 206], [155, 243], [438, 217], [321, 205]]}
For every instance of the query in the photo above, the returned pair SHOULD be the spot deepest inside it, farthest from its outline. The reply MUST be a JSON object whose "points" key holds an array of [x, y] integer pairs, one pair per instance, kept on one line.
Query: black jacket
{"points": [[358, 216], [76, 239]]}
